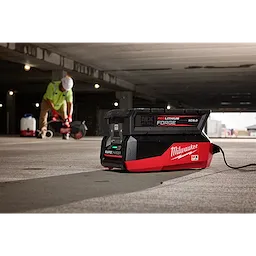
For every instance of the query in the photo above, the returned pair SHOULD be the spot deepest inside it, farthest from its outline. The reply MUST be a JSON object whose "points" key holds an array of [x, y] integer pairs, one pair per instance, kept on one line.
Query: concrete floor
{"points": [[56, 176]]}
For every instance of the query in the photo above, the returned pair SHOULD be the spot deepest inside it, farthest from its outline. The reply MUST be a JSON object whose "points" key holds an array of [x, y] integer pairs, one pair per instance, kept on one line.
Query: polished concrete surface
{"points": [[56, 176]]}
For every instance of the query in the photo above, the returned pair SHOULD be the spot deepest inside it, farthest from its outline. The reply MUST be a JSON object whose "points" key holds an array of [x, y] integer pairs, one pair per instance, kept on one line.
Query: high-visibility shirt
{"points": [[54, 94]]}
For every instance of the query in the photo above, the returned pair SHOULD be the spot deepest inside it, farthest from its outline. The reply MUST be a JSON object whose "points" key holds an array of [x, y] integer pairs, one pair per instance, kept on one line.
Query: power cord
{"points": [[219, 149]]}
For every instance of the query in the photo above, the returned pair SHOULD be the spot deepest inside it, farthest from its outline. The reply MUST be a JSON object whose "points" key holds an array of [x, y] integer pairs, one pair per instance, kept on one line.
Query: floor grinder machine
{"points": [[76, 129], [146, 140]]}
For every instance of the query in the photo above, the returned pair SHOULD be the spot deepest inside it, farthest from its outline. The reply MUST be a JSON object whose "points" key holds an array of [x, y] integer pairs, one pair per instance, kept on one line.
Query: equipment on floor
{"points": [[28, 126], [77, 129], [140, 140]]}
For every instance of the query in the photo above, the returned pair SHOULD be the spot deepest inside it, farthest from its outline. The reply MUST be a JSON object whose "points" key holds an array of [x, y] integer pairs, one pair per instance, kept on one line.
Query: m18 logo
{"points": [[194, 157]]}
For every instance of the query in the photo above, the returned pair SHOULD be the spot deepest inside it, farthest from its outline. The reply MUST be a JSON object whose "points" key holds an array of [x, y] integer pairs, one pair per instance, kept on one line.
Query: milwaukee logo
{"points": [[180, 152]]}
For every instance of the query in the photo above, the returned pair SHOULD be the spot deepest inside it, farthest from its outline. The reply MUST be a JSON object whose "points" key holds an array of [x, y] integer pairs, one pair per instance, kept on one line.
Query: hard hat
{"points": [[67, 83]]}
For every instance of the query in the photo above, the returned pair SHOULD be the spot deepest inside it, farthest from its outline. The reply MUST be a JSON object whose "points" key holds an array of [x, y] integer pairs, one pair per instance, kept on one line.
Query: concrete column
{"points": [[10, 114], [125, 99], [58, 74]]}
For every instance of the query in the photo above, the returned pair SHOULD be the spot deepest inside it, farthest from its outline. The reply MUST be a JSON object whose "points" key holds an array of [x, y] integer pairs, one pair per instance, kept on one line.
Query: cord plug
{"points": [[215, 149]]}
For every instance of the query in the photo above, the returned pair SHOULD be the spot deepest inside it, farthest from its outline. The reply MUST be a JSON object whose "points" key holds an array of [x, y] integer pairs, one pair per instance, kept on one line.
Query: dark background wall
{"points": [[87, 106], [29, 88], [3, 113]]}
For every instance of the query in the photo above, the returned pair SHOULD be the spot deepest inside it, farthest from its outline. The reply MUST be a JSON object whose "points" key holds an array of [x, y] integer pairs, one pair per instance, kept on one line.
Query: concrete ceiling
{"points": [[217, 76], [36, 80]]}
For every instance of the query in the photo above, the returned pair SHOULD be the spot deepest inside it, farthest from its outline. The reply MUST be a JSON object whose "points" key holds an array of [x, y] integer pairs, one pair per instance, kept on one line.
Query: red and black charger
{"points": [[149, 140]]}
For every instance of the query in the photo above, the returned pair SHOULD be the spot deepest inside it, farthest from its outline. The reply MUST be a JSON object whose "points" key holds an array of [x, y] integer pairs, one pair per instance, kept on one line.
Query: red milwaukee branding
{"points": [[177, 120], [168, 118], [178, 152]]}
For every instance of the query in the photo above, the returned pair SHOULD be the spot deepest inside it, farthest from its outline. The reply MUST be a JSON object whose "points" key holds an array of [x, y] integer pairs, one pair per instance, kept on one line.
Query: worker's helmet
{"points": [[67, 83]]}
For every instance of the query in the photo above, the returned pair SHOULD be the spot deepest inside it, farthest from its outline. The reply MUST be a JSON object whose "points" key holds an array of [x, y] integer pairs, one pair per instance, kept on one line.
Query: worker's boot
{"points": [[42, 134], [66, 136]]}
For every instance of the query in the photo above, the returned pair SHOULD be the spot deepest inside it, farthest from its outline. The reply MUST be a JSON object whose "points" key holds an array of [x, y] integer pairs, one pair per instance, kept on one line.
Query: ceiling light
{"points": [[27, 67], [37, 105], [168, 107], [115, 103], [11, 93], [245, 103], [96, 86], [225, 103], [1, 105]]}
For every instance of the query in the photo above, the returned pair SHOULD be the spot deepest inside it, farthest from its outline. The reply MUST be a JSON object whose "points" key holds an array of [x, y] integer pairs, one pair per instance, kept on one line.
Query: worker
{"points": [[58, 98]]}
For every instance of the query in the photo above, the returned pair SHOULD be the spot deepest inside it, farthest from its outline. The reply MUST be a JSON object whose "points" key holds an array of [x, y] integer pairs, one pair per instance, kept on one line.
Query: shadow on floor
{"points": [[26, 195]]}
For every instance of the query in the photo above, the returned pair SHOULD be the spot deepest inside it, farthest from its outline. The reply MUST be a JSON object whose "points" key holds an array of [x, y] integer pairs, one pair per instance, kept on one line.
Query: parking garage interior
{"points": [[219, 77], [57, 176], [28, 87]]}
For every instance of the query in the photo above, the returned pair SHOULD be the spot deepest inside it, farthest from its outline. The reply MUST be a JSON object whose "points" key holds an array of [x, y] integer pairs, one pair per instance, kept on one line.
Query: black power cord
{"points": [[219, 149]]}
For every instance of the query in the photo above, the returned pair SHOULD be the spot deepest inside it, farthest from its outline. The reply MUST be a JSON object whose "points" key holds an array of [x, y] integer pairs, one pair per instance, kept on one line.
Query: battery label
{"points": [[112, 152], [168, 120]]}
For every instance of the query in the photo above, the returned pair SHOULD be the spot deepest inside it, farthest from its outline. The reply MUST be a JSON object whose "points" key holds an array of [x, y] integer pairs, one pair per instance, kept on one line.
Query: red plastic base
{"points": [[179, 156], [28, 133]]}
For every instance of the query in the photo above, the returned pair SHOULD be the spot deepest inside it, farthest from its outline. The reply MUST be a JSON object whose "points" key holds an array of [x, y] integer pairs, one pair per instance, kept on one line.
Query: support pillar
{"points": [[10, 114], [125, 99]]}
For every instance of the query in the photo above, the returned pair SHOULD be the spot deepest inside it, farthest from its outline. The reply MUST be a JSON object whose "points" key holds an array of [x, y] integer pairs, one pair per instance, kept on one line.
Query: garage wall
{"points": [[87, 106], [3, 114]]}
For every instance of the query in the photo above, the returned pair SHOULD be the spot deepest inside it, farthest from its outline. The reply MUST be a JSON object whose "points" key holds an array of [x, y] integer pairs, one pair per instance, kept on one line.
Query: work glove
{"points": [[66, 123], [55, 115]]}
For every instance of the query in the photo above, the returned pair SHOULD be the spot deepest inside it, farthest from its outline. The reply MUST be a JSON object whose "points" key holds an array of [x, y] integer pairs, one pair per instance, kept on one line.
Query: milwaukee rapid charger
{"points": [[139, 140]]}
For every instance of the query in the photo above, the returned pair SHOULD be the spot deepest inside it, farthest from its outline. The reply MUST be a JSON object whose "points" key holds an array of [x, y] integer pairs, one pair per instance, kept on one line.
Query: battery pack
{"points": [[143, 140]]}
